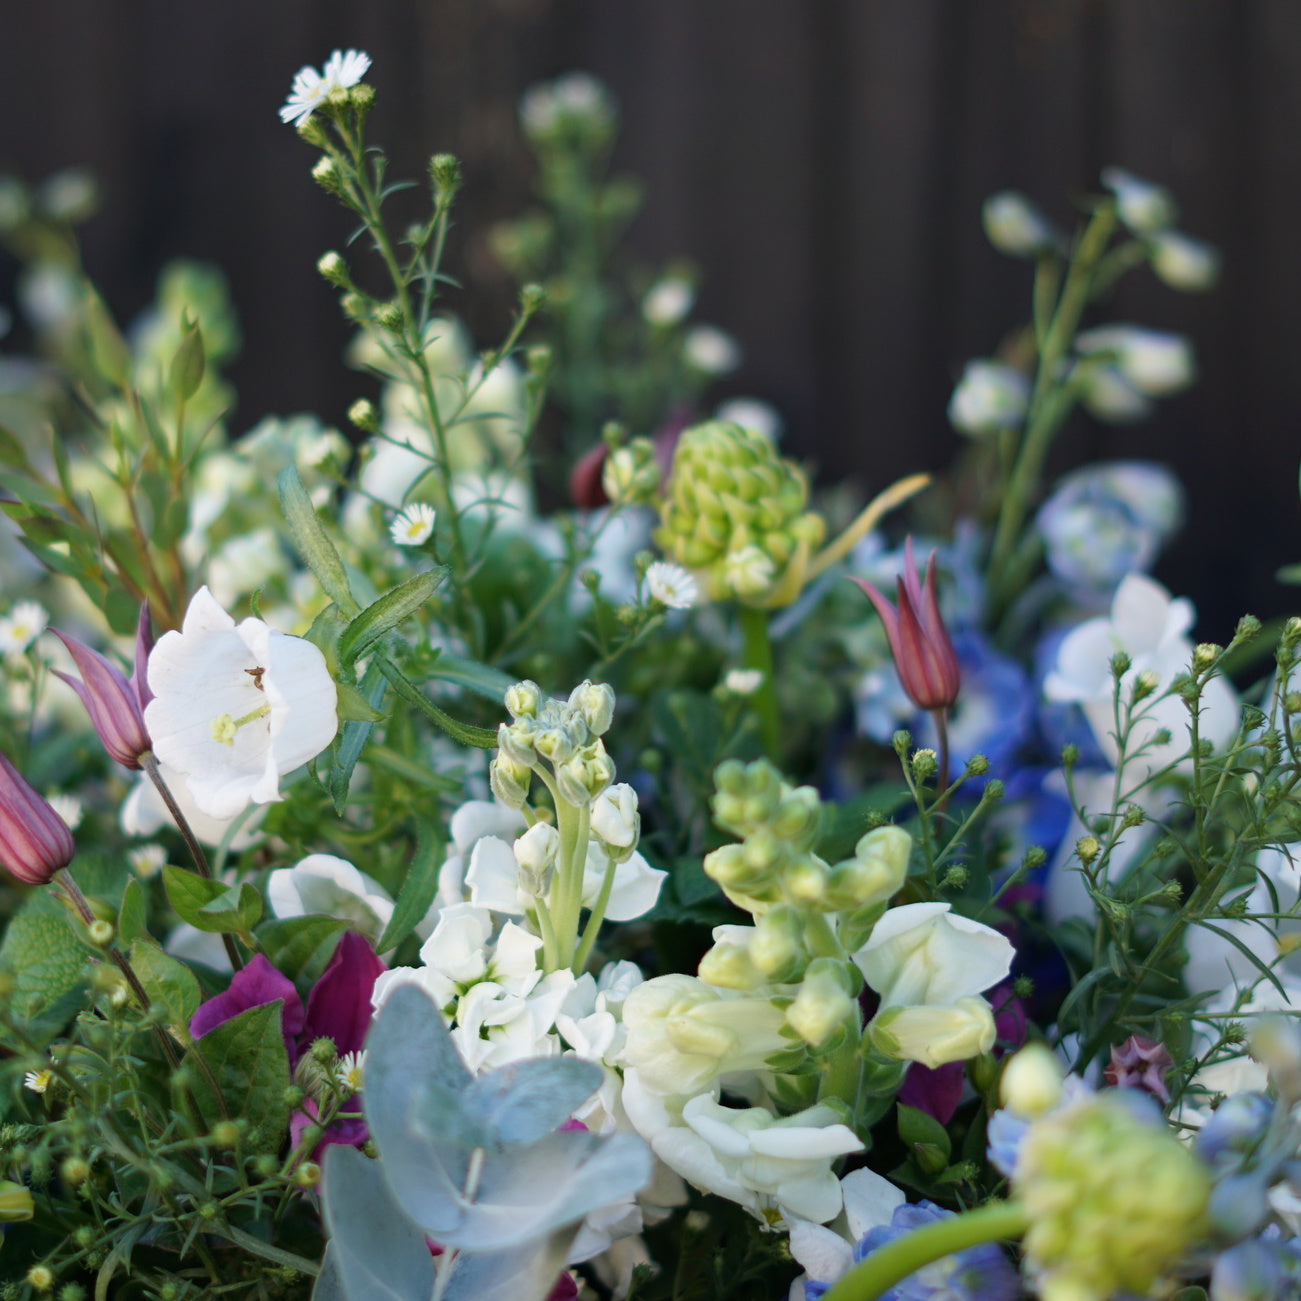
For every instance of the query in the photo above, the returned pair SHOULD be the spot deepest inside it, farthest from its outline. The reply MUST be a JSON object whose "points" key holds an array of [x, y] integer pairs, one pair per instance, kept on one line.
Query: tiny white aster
{"points": [[311, 89], [147, 861], [413, 525], [68, 807], [24, 623], [743, 682], [350, 1071], [671, 585], [38, 1081]]}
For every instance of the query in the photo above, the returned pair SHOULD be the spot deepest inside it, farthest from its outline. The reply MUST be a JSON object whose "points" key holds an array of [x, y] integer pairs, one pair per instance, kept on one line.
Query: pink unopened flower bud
{"points": [[115, 704], [35, 842], [922, 649]]}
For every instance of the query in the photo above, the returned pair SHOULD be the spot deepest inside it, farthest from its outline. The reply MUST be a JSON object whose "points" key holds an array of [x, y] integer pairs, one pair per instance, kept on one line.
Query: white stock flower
{"points": [[989, 397], [474, 820], [311, 89], [21, 626], [1150, 627], [1154, 362], [496, 1026], [326, 886], [1143, 206], [236, 706], [923, 953], [682, 1034], [671, 585], [614, 816], [763, 1163], [413, 525], [635, 888]]}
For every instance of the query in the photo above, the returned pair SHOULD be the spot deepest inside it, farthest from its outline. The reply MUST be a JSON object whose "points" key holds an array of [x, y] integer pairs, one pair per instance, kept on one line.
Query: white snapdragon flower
{"points": [[1150, 627], [236, 706], [935, 1034], [311, 89], [989, 397], [671, 585], [414, 525], [924, 953], [326, 886]]}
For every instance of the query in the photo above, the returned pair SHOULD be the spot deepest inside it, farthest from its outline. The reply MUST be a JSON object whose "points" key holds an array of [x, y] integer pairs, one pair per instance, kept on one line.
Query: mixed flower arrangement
{"points": [[461, 898]]}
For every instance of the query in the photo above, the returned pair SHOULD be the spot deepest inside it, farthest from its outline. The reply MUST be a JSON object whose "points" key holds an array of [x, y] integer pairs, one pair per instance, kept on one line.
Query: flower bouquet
{"points": [[499, 853]]}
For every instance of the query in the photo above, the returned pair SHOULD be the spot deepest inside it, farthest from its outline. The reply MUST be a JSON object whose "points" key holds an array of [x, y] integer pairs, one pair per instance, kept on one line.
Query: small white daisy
{"points": [[24, 623], [350, 1071], [38, 1081], [671, 585], [413, 525], [668, 301], [311, 89], [68, 807], [743, 682], [147, 861]]}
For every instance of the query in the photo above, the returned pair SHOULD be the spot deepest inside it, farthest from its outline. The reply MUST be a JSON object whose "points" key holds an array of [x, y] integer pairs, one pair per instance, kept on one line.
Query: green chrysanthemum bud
{"points": [[1113, 1200], [736, 512]]}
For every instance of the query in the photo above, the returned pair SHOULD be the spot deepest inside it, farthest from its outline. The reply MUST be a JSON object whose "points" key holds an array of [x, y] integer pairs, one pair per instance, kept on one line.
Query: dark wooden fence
{"points": [[824, 162]]}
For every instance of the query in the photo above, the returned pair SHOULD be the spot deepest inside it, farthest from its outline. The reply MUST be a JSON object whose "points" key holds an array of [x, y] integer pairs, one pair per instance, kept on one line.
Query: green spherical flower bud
{"points": [[777, 945], [595, 701]]}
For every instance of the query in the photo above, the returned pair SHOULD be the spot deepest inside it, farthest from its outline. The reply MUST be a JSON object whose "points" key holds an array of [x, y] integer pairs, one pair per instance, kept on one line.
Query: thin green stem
{"points": [[756, 653]]}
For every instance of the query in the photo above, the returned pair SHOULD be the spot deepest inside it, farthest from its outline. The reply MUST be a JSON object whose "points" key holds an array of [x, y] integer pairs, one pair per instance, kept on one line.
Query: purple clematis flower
{"points": [[338, 1008]]}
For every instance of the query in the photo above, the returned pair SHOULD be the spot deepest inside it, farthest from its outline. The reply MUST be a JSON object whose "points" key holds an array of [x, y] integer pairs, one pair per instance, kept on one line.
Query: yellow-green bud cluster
{"points": [[735, 512], [1113, 1200], [564, 734]]}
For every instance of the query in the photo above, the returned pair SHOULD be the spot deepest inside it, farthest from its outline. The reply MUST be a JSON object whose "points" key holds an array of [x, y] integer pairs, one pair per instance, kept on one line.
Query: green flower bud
{"points": [[1031, 1082], [509, 780], [886, 851], [631, 474], [1113, 1200], [806, 882], [15, 1202], [325, 172], [586, 775], [595, 701], [363, 415], [729, 966], [734, 871], [523, 699], [445, 173], [334, 269], [796, 818], [824, 1004], [777, 945], [555, 744], [40, 1277]]}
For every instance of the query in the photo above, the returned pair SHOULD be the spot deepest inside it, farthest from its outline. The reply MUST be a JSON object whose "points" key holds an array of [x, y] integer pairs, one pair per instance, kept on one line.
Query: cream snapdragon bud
{"points": [[509, 780], [989, 397], [1143, 206], [886, 850], [825, 1002], [595, 701], [523, 699], [729, 966], [1184, 263], [616, 821], [1031, 1082], [586, 775], [777, 945], [934, 1034], [1014, 226]]}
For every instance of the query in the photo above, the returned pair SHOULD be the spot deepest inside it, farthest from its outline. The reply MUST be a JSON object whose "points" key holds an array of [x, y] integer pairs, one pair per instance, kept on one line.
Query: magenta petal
{"points": [[934, 1090], [256, 985], [339, 1006], [350, 1133]]}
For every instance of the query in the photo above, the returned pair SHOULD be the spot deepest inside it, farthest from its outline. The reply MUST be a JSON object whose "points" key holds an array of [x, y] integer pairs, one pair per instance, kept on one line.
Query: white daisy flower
{"points": [[24, 623], [311, 89], [147, 861], [671, 585], [711, 351], [413, 525], [38, 1081], [350, 1071]]}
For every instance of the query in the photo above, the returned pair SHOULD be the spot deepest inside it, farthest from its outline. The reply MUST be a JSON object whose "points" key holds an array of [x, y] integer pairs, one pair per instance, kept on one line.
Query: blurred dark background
{"points": [[822, 161]]}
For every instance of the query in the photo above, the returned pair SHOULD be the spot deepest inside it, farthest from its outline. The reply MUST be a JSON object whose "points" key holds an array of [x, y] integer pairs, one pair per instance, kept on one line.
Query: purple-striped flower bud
{"points": [[115, 704], [35, 842], [920, 643]]}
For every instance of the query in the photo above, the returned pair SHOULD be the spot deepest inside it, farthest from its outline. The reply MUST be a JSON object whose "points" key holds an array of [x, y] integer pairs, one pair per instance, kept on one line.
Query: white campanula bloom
{"points": [[1151, 627], [1014, 226], [924, 953], [414, 525], [671, 585], [1143, 206], [143, 813], [322, 885], [989, 397], [236, 706], [68, 807], [21, 626], [710, 350], [311, 89], [1183, 262], [1154, 362]]}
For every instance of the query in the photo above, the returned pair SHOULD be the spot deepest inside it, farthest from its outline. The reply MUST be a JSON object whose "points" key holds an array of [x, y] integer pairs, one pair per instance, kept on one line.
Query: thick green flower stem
{"points": [[572, 822], [895, 1261], [1047, 409], [756, 653]]}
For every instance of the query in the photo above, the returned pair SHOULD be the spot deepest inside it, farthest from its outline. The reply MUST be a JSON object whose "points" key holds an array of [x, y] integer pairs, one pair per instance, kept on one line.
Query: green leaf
{"points": [[490, 683], [351, 740], [418, 889], [247, 1058], [299, 947], [42, 954], [917, 1128], [186, 371], [210, 905], [12, 452], [170, 984], [479, 737], [131, 923], [312, 543], [122, 611], [171, 523], [377, 620]]}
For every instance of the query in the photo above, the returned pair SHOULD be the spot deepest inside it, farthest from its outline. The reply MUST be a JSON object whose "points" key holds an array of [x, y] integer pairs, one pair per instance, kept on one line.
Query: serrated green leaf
{"points": [[418, 889], [170, 984], [312, 542], [352, 738], [131, 924], [380, 618], [42, 954], [247, 1058], [300, 947], [210, 905]]}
